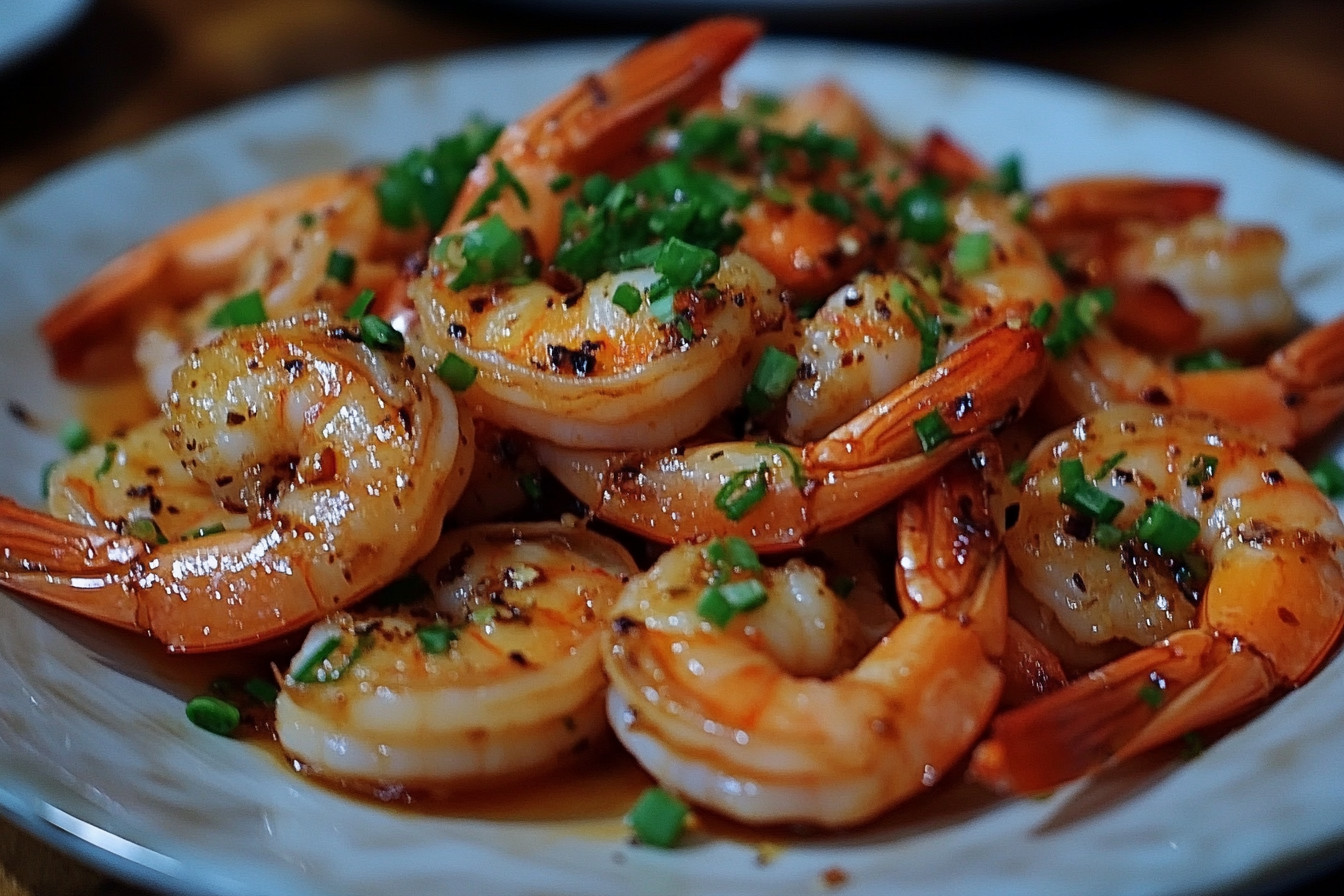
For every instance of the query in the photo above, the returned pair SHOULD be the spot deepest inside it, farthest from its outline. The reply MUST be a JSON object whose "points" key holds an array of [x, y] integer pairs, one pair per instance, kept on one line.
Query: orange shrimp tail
{"points": [[67, 565], [90, 334], [606, 114], [986, 383], [1141, 701]]}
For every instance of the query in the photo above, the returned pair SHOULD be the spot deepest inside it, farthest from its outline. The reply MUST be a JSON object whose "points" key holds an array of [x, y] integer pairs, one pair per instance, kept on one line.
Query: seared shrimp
{"points": [[152, 304], [492, 669], [344, 459], [1210, 550], [777, 496], [778, 710]]}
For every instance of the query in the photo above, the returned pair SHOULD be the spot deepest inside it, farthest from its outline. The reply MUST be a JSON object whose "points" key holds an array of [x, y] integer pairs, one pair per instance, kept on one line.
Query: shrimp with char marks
{"points": [[494, 674], [1209, 550], [344, 460]]}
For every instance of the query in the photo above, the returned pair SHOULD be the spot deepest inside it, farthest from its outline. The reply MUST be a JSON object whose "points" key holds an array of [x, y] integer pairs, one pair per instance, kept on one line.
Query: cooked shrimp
{"points": [[578, 369], [1211, 551], [150, 305], [879, 331], [777, 496], [603, 117], [1295, 394], [136, 484], [345, 460], [494, 672], [781, 712]]}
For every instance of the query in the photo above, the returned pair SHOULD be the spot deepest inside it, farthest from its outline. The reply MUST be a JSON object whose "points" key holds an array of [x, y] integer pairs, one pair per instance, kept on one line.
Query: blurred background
{"points": [[81, 76]]}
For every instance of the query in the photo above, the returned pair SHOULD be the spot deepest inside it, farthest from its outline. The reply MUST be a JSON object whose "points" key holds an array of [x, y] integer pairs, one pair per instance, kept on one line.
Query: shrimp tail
{"points": [[1148, 698], [64, 564], [603, 115]]}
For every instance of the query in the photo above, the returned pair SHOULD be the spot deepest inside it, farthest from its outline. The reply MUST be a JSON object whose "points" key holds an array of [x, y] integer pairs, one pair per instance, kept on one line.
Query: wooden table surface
{"points": [[129, 67]]}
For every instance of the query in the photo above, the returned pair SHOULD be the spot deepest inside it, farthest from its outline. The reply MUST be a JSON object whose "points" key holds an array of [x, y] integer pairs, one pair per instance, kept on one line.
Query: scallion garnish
{"points": [[203, 531], [262, 690], [490, 252], [742, 491], [241, 311], [658, 818], [213, 714], [1203, 466], [435, 637], [971, 253], [1008, 175], [421, 187], [377, 333], [627, 297], [341, 267], [928, 325], [146, 530], [1079, 317], [1079, 492], [75, 436], [832, 205], [922, 214], [729, 554], [504, 179], [1329, 477], [360, 306], [1209, 359], [457, 372], [932, 430], [109, 455], [770, 381], [718, 604], [1166, 528]]}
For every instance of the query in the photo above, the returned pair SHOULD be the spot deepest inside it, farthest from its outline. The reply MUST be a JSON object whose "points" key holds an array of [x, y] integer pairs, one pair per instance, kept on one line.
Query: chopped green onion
{"points": [[360, 306], [491, 251], [932, 430], [1079, 316], [422, 186], [341, 266], [1209, 359], [1329, 477], [213, 714], [732, 553], [1008, 175], [146, 529], [202, 531], [561, 181], [627, 298], [1151, 695], [685, 265], [1017, 472], [771, 380], [244, 310], [1080, 493], [1203, 466], [832, 205], [796, 473], [928, 325], [436, 637], [658, 818], [718, 604], [109, 454], [483, 615], [971, 253], [45, 486], [1040, 316], [75, 436], [314, 668], [262, 690], [457, 372], [377, 333], [1166, 528], [922, 213], [741, 492], [530, 485], [504, 179], [1108, 465]]}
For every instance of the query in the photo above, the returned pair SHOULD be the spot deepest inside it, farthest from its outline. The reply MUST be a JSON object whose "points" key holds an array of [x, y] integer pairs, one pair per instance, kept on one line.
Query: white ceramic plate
{"points": [[26, 25], [96, 755]]}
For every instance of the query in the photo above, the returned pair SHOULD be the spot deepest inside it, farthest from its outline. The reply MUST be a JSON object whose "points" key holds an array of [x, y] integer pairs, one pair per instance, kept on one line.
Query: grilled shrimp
{"points": [[1211, 553], [343, 460], [489, 670], [751, 690]]}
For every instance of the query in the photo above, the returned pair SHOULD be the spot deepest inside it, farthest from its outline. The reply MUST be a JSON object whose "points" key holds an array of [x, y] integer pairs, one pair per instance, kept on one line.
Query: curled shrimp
{"points": [[491, 671], [1223, 564], [150, 305], [777, 496], [343, 459], [575, 351], [784, 713]]}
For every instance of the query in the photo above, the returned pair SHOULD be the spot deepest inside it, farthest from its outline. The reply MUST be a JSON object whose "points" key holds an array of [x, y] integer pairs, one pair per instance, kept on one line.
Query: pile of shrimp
{"points": [[810, 465]]}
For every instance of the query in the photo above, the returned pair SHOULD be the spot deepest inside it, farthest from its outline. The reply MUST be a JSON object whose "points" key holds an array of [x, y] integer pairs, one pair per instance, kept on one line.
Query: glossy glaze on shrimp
{"points": [[343, 459], [1212, 552]]}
